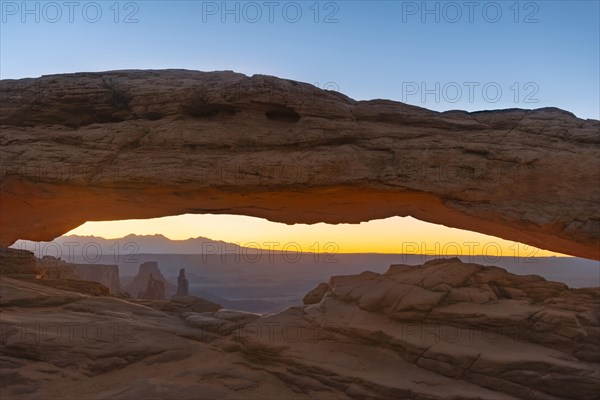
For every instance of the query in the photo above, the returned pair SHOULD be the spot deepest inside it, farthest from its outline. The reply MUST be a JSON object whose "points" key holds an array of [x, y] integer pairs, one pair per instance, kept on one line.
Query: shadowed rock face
{"points": [[141, 284], [97, 280], [142, 144], [154, 291], [19, 264], [107, 275], [182, 284]]}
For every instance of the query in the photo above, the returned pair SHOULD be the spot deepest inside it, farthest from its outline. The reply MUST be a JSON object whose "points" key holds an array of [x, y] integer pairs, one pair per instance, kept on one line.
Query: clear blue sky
{"points": [[376, 49]]}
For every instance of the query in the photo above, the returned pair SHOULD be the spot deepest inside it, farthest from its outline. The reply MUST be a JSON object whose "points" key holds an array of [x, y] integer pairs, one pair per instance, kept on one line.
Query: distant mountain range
{"points": [[74, 245]]}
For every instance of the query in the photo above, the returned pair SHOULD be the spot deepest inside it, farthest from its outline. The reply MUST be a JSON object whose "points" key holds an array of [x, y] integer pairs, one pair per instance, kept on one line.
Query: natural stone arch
{"points": [[143, 144]]}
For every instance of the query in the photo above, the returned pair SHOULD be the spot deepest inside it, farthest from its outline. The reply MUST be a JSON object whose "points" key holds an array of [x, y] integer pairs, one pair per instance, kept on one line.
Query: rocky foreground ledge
{"points": [[443, 330], [143, 144]]}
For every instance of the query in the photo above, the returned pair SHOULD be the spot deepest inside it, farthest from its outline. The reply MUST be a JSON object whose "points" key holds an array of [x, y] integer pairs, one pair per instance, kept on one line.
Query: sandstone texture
{"points": [[50, 271], [403, 333], [180, 304], [19, 264], [107, 275], [443, 330], [141, 144], [316, 295]]}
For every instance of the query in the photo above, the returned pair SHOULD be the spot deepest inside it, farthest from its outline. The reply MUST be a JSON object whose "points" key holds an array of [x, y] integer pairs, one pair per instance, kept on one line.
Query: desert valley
{"points": [[444, 329]]}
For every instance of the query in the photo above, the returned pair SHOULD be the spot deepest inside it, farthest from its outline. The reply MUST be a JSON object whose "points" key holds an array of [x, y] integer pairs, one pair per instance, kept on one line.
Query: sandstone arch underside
{"points": [[141, 144]]}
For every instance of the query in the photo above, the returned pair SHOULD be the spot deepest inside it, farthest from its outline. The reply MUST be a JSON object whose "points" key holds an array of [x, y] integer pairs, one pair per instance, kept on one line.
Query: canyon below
{"points": [[441, 330], [263, 280]]}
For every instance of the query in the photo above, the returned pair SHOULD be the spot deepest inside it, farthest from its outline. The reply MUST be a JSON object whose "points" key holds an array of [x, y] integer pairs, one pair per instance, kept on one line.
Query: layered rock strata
{"points": [[142, 144]]}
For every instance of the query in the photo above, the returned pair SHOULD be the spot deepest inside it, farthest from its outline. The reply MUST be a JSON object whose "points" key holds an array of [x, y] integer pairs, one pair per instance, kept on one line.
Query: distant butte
{"points": [[143, 144]]}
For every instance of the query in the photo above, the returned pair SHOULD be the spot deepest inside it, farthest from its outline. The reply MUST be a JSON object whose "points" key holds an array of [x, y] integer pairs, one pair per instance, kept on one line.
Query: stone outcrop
{"points": [[521, 337], [48, 271], [155, 290], [448, 291], [140, 283], [55, 268], [182, 284], [316, 295], [19, 264], [107, 275], [91, 288], [443, 330], [142, 144], [221, 322]]}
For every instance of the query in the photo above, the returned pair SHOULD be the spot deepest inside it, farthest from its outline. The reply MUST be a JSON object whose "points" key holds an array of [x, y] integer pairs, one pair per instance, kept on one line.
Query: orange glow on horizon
{"points": [[393, 235]]}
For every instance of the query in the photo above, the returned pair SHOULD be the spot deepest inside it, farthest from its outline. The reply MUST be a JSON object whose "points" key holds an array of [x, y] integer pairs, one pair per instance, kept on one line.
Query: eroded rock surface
{"points": [[316, 295], [49, 271], [181, 304], [402, 333], [443, 330], [19, 264], [107, 275], [141, 144]]}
